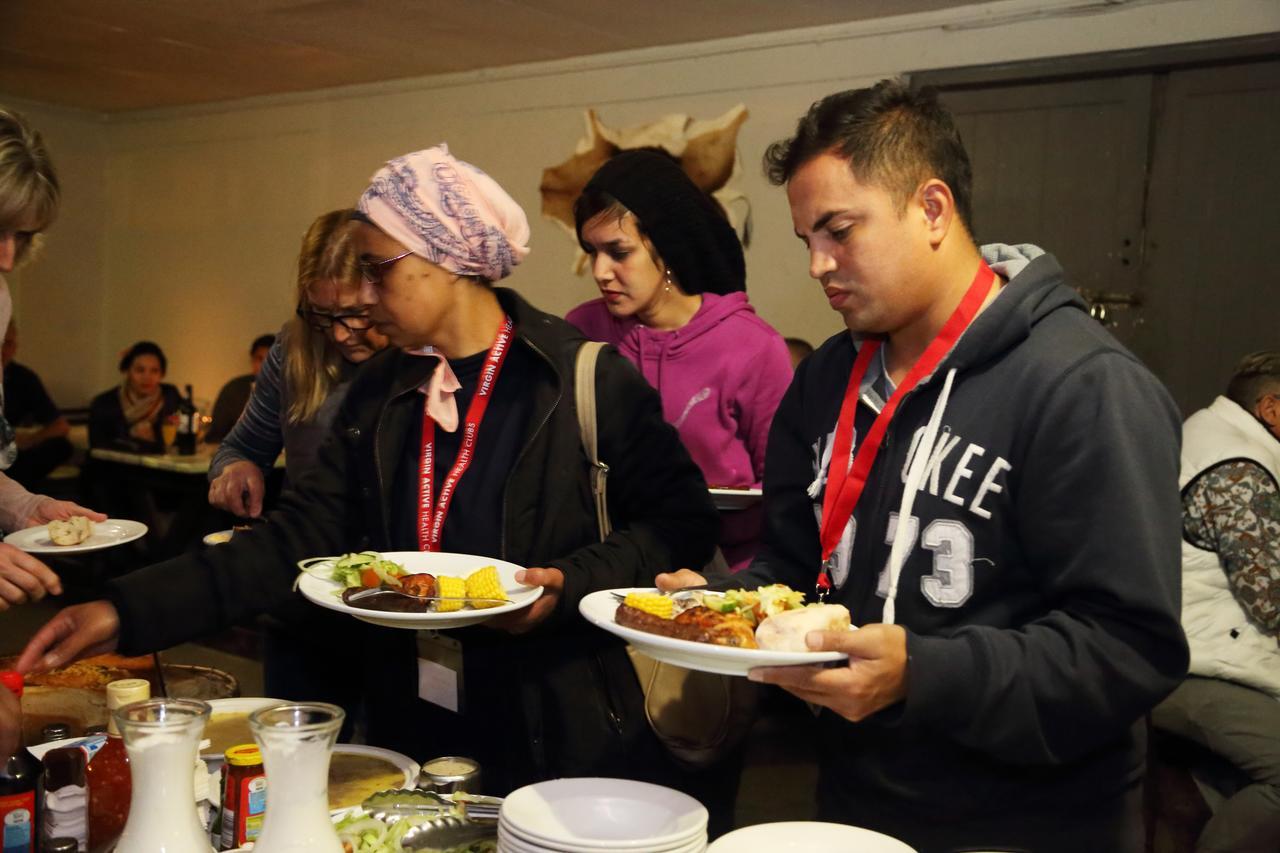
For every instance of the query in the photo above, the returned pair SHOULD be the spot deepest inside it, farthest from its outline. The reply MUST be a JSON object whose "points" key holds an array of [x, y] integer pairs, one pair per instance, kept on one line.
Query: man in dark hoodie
{"points": [[1011, 474]]}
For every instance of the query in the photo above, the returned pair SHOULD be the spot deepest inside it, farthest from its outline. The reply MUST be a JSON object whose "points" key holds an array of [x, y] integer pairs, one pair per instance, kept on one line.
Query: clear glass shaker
{"points": [[296, 741], [162, 737]]}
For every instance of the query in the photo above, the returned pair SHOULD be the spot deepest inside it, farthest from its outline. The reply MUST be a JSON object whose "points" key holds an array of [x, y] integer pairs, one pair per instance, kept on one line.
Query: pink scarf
{"points": [[449, 212], [454, 215]]}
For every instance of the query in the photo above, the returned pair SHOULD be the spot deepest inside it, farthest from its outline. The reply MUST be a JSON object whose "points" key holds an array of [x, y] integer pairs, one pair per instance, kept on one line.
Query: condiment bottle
{"points": [[21, 790], [107, 774], [163, 737], [244, 796], [66, 806]]}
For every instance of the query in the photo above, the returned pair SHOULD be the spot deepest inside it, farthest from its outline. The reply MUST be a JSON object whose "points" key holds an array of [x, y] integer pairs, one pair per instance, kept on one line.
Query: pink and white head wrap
{"points": [[449, 212]]}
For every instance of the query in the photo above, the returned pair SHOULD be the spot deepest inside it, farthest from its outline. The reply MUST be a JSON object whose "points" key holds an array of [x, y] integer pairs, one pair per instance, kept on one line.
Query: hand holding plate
{"points": [[874, 679], [51, 510], [23, 578], [678, 580], [521, 621]]}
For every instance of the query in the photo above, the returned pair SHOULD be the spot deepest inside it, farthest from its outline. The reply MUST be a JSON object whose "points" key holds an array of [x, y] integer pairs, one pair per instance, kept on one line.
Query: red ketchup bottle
{"points": [[21, 790], [107, 774]]}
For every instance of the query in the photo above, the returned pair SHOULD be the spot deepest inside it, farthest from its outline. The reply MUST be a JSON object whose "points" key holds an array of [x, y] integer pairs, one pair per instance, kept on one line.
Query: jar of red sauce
{"points": [[244, 796], [107, 774]]}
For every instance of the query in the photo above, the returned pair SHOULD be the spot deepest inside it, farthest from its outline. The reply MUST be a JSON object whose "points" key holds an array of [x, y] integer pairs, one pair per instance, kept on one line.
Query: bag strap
{"points": [[584, 390]]}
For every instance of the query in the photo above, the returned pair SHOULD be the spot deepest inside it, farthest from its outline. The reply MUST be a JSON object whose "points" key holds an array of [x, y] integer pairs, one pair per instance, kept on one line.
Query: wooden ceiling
{"points": [[117, 55]]}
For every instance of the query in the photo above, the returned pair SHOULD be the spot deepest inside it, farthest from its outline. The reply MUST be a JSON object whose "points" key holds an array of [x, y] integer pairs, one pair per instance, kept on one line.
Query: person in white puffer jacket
{"points": [[1230, 702]]}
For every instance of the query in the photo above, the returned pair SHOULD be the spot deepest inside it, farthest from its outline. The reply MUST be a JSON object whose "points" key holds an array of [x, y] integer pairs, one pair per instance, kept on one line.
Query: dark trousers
{"points": [[36, 463]]}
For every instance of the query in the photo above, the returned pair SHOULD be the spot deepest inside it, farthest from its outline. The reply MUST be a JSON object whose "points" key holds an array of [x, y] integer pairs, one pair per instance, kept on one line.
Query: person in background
{"points": [[129, 416], [1230, 702], [234, 396], [799, 349], [987, 481], [306, 375], [673, 300], [41, 430], [562, 699]]}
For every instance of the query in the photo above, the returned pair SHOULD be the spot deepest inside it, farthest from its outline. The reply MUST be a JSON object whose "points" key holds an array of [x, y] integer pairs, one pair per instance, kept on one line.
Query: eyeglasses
{"points": [[323, 322], [373, 271]]}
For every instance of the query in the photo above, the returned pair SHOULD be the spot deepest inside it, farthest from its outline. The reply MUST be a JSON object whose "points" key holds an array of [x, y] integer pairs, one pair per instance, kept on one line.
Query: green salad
{"points": [[360, 832]]}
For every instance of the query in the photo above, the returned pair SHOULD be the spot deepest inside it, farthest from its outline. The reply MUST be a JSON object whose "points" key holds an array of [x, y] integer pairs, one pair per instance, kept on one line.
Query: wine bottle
{"points": [[187, 424]]}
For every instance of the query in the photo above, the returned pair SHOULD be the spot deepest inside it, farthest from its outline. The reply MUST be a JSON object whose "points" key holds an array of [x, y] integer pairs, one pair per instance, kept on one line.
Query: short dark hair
{"points": [[262, 342], [143, 348], [893, 136], [1257, 375]]}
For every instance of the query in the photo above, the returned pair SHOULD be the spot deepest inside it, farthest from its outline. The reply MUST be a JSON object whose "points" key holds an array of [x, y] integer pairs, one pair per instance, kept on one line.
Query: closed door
{"points": [[1149, 187]]}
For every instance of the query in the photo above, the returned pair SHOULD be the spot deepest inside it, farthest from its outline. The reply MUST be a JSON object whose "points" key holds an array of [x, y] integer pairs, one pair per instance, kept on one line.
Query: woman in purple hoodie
{"points": [[673, 300]]}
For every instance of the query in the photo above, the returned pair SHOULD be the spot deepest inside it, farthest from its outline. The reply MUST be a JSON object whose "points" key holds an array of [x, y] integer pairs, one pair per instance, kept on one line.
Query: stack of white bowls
{"points": [[595, 815]]}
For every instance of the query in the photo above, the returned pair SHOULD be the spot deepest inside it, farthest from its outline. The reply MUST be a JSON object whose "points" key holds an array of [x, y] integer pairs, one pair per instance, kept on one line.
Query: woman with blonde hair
{"points": [[29, 197], [298, 392], [306, 374]]}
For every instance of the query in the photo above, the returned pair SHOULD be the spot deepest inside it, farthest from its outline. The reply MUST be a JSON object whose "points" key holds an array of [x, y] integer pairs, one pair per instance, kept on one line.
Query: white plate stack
{"points": [[595, 815]]}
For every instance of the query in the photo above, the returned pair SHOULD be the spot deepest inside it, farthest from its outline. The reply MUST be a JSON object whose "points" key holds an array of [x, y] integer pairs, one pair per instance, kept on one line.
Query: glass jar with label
{"points": [[244, 796]]}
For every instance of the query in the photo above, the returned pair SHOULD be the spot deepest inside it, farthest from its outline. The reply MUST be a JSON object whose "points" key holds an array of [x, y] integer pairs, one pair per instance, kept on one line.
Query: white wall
{"points": [[182, 225]]}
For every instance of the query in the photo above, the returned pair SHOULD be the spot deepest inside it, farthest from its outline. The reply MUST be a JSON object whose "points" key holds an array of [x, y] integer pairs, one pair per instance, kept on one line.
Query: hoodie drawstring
{"points": [[915, 476]]}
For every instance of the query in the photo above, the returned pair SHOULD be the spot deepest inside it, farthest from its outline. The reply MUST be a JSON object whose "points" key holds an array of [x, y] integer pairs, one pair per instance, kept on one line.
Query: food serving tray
{"points": [[326, 593], [599, 608]]}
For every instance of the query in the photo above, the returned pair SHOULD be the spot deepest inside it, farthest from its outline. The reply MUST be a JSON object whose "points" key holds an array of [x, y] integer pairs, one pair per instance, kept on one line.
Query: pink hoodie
{"points": [[720, 378]]}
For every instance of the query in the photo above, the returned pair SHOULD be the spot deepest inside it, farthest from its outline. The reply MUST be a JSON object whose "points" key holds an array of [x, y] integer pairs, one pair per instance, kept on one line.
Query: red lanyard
{"points": [[845, 482], [431, 524]]}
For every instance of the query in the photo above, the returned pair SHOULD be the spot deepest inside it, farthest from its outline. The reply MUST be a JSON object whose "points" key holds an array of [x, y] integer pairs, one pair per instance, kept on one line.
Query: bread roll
{"points": [[785, 632], [73, 531]]}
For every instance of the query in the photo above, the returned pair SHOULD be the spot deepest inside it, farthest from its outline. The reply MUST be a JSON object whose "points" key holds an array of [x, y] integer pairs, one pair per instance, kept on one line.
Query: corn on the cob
{"points": [[484, 583], [658, 605], [447, 588]]}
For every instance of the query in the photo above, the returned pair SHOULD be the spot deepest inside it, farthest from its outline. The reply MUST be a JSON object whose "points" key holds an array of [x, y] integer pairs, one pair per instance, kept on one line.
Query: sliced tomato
{"points": [[369, 578]]}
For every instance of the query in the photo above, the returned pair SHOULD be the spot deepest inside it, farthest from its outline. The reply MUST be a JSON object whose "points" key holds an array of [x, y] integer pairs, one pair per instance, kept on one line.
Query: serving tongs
{"points": [[439, 822], [395, 804]]}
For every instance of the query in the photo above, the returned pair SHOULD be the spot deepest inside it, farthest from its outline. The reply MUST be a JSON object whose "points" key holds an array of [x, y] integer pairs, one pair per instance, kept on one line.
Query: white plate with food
{"points": [[707, 654], [449, 590], [731, 499], [356, 772], [79, 538], [806, 837]]}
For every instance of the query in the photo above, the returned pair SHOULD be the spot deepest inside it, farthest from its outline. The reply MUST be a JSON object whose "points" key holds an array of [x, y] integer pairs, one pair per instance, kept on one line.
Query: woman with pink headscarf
{"points": [[463, 437]]}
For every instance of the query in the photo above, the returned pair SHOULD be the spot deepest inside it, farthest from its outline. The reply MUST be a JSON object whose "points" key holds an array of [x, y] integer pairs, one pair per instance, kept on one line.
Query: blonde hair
{"points": [[312, 365], [29, 190]]}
